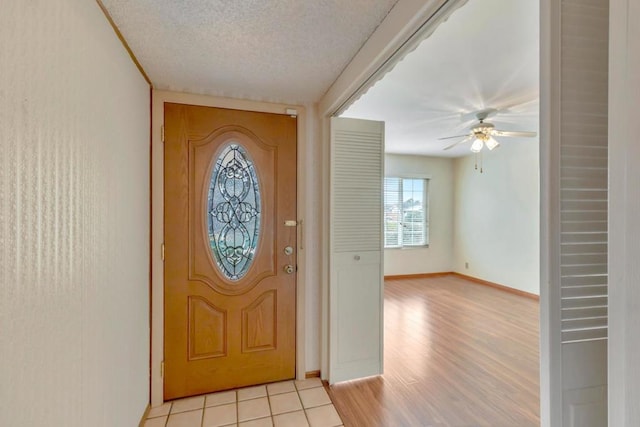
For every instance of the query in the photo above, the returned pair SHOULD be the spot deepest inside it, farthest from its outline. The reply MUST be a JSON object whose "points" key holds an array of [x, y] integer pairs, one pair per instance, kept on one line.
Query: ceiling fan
{"points": [[484, 132]]}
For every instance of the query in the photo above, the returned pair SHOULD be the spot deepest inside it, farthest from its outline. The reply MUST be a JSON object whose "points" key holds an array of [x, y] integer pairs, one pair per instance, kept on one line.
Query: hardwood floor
{"points": [[456, 354]]}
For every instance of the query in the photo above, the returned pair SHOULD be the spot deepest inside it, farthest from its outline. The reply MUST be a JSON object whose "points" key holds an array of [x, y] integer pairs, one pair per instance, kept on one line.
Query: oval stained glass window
{"points": [[233, 212]]}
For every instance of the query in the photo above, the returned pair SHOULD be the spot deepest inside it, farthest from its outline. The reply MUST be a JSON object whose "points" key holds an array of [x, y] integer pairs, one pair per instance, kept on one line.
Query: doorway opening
{"points": [[230, 306], [296, 358], [456, 218]]}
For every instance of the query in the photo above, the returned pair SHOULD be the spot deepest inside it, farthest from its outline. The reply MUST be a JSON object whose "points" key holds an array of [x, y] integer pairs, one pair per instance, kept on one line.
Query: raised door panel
{"points": [[259, 324], [207, 329]]}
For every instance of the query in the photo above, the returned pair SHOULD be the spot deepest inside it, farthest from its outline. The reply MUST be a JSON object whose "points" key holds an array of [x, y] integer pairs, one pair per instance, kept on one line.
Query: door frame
{"points": [[402, 30], [394, 38], [158, 100]]}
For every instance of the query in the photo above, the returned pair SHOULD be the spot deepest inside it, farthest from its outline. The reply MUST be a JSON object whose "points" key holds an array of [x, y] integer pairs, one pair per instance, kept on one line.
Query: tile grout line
{"points": [[269, 403], [304, 410], [204, 404], [166, 422]]}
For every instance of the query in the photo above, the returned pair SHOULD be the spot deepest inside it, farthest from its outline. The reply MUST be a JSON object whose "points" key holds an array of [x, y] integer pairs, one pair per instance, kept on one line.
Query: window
{"points": [[405, 212]]}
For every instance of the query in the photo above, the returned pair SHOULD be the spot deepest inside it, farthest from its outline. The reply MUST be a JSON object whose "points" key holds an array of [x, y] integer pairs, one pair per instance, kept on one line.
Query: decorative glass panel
{"points": [[233, 212]]}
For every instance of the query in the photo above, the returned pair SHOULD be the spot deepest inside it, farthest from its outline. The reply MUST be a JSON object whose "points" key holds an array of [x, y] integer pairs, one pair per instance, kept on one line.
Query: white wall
{"points": [[312, 235], [74, 220], [497, 216], [624, 213], [436, 258]]}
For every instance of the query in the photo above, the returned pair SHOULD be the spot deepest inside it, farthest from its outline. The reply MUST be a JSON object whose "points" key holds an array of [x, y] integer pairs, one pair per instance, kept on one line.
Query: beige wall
{"points": [[437, 257], [497, 216], [74, 220]]}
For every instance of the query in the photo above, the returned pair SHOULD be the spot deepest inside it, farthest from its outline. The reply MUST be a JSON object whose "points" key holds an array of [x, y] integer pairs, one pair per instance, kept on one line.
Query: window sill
{"points": [[402, 248]]}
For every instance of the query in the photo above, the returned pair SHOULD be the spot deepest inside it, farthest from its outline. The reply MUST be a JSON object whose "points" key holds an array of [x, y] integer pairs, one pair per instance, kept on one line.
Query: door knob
{"points": [[288, 269]]}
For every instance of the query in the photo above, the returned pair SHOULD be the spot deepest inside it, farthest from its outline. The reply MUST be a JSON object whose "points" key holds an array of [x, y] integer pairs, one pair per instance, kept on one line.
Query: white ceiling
{"points": [[485, 55], [272, 50]]}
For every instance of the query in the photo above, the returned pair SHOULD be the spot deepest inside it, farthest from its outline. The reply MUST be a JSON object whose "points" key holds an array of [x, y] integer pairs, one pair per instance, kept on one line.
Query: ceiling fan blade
{"points": [[513, 133], [452, 137], [462, 141]]}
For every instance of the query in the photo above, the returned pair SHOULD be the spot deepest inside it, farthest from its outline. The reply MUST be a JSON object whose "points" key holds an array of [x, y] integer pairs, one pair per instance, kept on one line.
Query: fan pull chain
{"points": [[481, 162], [476, 155]]}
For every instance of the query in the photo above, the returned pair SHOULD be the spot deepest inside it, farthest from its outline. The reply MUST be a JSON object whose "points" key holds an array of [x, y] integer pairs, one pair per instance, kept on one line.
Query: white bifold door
{"points": [[356, 276], [580, 275]]}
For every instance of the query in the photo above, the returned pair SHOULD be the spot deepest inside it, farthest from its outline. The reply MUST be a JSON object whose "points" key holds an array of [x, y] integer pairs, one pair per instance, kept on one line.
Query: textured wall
{"points": [[74, 219], [437, 258], [497, 216]]}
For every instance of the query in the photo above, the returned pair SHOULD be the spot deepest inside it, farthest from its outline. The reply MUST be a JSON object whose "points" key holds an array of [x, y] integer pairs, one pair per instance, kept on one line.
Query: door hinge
{"points": [[162, 133], [162, 251], [162, 369], [292, 112]]}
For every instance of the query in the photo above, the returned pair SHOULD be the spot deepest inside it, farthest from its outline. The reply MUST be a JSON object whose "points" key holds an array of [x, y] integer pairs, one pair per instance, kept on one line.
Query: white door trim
{"points": [[550, 310], [624, 207], [157, 221]]}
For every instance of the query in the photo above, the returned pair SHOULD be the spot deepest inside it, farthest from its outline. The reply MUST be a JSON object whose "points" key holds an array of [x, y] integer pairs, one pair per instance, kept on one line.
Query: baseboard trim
{"points": [[144, 416], [312, 374], [498, 286], [463, 276], [418, 276]]}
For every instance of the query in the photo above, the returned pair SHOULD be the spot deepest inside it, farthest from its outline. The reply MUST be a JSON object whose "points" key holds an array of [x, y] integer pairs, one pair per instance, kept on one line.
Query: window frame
{"points": [[425, 224]]}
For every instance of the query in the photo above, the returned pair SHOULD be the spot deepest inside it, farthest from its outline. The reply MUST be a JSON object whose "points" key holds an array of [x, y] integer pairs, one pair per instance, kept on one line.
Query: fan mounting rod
{"points": [[481, 115], [484, 114]]}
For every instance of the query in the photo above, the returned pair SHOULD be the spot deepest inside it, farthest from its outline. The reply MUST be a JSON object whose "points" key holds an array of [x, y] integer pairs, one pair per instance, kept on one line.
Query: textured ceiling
{"points": [[272, 50], [485, 55]]}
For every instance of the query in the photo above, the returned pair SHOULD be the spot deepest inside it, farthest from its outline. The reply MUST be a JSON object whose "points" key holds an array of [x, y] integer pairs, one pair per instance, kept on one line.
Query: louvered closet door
{"points": [[356, 285], [583, 212]]}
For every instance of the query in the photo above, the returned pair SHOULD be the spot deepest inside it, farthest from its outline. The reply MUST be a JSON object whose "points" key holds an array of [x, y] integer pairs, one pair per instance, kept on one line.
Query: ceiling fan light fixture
{"points": [[477, 145], [482, 133], [492, 143]]}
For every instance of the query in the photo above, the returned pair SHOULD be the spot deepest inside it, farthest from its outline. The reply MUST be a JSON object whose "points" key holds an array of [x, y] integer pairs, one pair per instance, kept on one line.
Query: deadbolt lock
{"points": [[288, 250], [289, 269]]}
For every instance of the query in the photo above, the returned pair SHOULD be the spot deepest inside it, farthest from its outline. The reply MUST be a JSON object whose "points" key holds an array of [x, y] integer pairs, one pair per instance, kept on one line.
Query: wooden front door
{"points": [[230, 215]]}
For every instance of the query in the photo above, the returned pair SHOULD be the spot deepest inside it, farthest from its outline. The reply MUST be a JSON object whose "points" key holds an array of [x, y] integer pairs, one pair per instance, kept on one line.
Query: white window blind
{"points": [[405, 212]]}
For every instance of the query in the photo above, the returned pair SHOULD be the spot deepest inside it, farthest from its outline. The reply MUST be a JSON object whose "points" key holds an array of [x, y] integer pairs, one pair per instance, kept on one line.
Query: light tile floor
{"points": [[284, 404]]}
